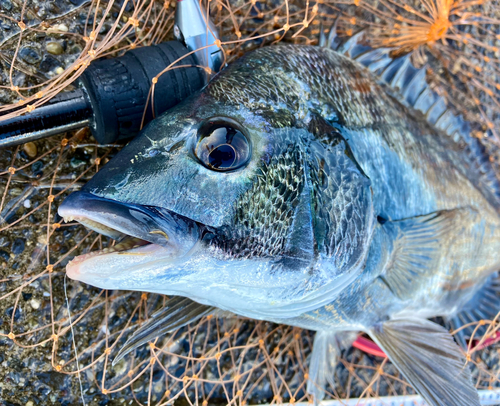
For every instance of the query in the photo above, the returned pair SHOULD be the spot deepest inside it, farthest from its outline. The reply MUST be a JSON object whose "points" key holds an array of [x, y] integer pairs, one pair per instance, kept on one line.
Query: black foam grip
{"points": [[118, 88], [62, 110]]}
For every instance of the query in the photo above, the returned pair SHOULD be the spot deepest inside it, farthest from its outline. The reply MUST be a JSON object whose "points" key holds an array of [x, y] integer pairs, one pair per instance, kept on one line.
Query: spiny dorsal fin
{"points": [[322, 36], [484, 305], [333, 40], [410, 83], [177, 313], [425, 353]]}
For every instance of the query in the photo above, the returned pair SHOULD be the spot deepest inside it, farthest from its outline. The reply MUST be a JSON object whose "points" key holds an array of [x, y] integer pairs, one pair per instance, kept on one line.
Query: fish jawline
{"points": [[141, 232], [73, 268]]}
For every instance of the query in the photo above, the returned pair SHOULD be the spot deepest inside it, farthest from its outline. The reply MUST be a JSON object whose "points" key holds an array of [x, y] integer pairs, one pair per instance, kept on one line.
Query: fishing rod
{"points": [[112, 93]]}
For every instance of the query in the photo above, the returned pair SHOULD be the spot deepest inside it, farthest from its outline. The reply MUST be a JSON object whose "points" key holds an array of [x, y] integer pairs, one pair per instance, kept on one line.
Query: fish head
{"points": [[241, 208]]}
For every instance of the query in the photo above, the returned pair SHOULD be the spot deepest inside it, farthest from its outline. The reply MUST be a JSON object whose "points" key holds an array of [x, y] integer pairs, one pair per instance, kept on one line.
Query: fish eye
{"points": [[222, 146]]}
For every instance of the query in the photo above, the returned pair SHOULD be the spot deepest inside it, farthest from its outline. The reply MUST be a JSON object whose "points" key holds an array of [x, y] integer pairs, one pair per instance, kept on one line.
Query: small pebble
{"points": [[37, 166], [59, 70], [27, 203], [6, 5], [54, 48], [4, 255], [42, 13], [49, 63], [5, 26], [75, 162], [19, 79], [35, 304], [75, 49], [29, 403], [18, 246], [58, 28], [30, 149], [9, 312], [29, 55]]}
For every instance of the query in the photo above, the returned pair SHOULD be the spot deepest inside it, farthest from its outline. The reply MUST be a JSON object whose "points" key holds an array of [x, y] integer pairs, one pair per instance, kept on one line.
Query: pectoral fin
{"points": [[418, 246], [425, 353], [178, 312]]}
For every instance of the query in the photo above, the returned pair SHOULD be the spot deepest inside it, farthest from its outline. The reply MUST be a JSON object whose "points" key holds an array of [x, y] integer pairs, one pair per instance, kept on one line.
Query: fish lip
{"points": [[115, 219]]}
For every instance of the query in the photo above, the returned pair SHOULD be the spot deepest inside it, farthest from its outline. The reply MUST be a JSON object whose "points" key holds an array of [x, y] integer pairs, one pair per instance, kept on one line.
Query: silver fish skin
{"points": [[336, 207]]}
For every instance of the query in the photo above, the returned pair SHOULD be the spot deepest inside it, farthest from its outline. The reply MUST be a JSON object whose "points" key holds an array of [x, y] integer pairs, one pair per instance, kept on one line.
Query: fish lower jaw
{"points": [[123, 247], [115, 261]]}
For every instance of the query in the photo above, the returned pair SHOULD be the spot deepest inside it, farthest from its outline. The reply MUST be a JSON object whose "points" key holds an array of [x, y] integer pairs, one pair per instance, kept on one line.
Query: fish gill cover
{"points": [[49, 343]]}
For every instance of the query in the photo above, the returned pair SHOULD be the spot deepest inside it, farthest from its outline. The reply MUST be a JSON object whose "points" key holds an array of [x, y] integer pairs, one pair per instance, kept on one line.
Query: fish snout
{"points": [[117, 220]]}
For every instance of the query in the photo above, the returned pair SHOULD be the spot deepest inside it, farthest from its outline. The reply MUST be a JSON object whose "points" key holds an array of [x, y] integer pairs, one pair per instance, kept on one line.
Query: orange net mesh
{"points": [[44, 47]]}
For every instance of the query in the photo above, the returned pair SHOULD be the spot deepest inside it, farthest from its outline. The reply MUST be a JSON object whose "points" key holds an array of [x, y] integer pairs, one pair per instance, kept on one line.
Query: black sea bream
{"points": [[304, 188]]}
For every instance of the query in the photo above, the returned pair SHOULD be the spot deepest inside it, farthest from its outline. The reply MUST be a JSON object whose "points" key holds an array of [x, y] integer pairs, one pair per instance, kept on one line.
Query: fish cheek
{"points": [[264, 213], [308, 200]]}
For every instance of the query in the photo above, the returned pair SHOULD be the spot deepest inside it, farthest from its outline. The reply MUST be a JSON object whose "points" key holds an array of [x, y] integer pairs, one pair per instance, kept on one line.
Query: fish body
{"points": [[298, 187]]}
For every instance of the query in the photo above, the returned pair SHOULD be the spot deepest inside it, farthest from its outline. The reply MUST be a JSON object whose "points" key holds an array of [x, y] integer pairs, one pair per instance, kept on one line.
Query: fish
{"points": [[325, 187]]}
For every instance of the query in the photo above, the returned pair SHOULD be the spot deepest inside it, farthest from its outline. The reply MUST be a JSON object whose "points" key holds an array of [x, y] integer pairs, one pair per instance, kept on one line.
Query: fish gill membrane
{"points": [[272, 360]]}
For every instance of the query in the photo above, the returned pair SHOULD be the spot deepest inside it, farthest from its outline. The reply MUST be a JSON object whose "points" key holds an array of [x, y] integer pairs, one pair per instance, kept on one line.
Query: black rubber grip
{"points": [[118, 88]]}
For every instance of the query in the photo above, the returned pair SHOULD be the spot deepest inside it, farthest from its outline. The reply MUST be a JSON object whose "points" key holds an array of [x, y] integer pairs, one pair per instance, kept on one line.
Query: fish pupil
{"points": [[222, 156]]}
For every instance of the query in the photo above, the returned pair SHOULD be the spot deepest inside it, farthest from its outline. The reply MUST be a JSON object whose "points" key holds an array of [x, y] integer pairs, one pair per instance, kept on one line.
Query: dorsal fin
{"points": [[410, 82]]}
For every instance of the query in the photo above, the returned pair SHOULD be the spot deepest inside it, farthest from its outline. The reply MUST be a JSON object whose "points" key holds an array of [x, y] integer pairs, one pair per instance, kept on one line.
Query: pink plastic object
{"points": [[369, 347], [488, 342]]}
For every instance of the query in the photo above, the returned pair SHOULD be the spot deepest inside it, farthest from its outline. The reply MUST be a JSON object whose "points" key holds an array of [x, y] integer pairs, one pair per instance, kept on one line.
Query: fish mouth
{"points": [[140, 230]]}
